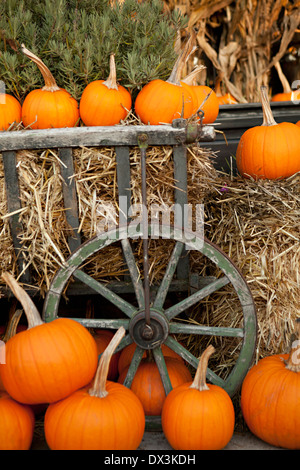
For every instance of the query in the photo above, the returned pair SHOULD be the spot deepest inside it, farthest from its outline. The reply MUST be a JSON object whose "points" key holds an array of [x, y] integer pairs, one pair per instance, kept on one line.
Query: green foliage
{"points": [[76, 37]]}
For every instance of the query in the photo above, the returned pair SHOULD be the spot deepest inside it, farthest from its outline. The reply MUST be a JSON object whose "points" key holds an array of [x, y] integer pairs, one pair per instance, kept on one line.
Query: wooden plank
{"points": [[13, 207], [96, 136], [124, 182], [70, 196]]}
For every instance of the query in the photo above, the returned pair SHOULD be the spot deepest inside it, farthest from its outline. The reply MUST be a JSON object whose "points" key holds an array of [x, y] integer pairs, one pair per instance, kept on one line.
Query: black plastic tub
{"points": [[234, 120]]}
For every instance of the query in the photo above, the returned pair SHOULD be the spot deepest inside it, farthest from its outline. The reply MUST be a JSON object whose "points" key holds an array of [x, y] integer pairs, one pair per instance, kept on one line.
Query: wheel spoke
{"points": [[191, 359], [169, 273], [171, 312], [135, 362], [134, 273], [101, 289], [162, 368], [206, 330], [111, 324]]}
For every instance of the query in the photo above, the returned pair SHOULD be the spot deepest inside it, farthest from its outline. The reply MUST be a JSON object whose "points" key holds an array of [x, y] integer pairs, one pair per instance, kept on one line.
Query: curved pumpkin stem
{"points": [[50, 82], [31, 312], [12, 325], [111, 82], [188, 49], [284, 81], [268, 118], [99, 386], [199, 382], [190, 79], [293, 362]]}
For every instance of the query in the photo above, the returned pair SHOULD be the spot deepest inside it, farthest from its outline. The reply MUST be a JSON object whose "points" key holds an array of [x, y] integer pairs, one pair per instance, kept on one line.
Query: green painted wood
{"points": [[163, 371], [135, 362], [190, 329]]}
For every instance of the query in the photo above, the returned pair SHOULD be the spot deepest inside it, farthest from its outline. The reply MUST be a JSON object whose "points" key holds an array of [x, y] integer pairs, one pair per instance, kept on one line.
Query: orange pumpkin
{"points": [[105, 103], [147, 384], [223, 98], [127, 354], [270, 398], [49, 106], [207, 99], [107, 417], [298, 123], [16, 424], [10, 111], [271, 150], [197, 415], [48, 361], [162, 101]]}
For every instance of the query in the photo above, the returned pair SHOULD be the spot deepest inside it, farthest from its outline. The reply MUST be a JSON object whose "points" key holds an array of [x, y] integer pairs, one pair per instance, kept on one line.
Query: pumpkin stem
{"points": [[199, 382], [111, 82], [12, 325], [50, 83], [99, 385], [31, 312], [268, 118], [188, 49], [293, 362]]}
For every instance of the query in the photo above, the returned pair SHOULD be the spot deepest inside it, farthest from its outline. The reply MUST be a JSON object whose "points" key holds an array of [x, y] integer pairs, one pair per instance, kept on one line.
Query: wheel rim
{"points": [[163, 316]]}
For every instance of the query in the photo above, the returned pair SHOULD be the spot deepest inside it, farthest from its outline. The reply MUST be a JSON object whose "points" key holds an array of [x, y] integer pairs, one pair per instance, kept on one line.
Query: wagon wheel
{"points": [[163, 322]]}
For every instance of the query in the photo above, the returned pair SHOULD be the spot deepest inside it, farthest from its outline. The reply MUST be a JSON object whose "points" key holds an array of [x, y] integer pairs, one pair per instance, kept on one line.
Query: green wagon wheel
{"points": [[165, 321]]}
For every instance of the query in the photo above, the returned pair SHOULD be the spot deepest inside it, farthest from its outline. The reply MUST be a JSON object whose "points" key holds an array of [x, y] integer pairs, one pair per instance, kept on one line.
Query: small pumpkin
{"points": [[162, 101], [49, 106], [207, 99], [147, 384], [197, 415], [127, 354], [106, 417], [105, 103], [287, 94], [48, 361], [16, 424], [10, 111], [271, 150], [270, 397], [223, 98]]}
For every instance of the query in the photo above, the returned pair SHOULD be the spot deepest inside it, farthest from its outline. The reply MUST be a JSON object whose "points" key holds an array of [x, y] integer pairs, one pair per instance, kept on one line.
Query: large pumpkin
{"points": [[49, 106], [197, 415], [104, 102], [16, 424], [270, 398], [48, 361], [162, 101], [10, 111], [107, 417], [207, 100], [147, 383], [271, 150]]}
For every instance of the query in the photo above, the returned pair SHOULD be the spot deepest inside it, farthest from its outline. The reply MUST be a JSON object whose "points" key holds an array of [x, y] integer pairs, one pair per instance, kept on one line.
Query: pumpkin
{"points": [[9, 332], [207, 100], [298, 123], [49, 106], [10, 111], [223, 98], [48, 361], [105, 103], [102, 338], [127, 354], [287, 94], [270, 397], [162, 101], [271, 150], [106, 417], [197, 415], [147, 383], [16, 424]]}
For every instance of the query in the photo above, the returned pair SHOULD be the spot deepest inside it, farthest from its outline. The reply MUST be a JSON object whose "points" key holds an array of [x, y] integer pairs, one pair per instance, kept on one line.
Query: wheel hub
{"points": [[149, 336]]}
